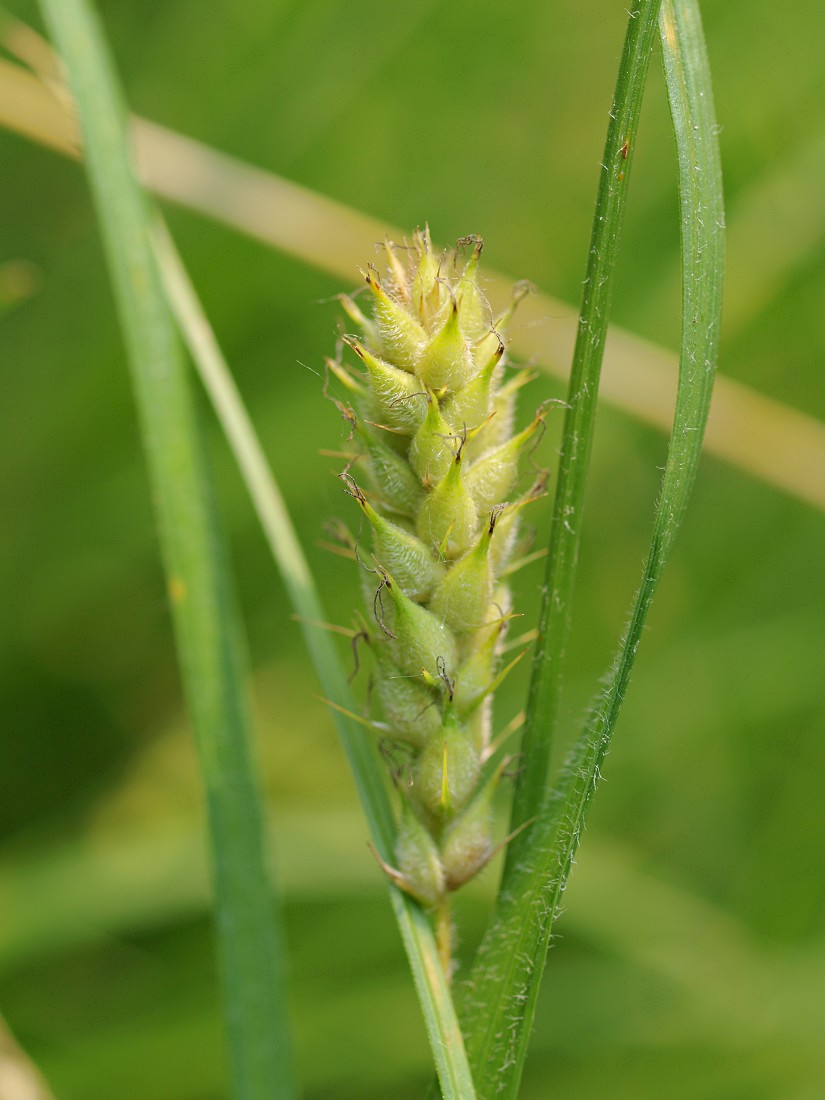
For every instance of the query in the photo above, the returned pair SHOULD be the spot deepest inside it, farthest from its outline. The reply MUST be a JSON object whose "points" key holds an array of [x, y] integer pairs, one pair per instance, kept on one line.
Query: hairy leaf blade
{"points": [[580, 421], [498, 999]]}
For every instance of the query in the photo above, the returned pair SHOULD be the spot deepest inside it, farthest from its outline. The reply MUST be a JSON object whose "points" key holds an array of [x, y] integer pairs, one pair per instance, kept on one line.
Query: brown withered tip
{"points": [[539, 487], [471, 239], [494, 515], [371, 277], [355, 344], [441, 669], [352, 488]]}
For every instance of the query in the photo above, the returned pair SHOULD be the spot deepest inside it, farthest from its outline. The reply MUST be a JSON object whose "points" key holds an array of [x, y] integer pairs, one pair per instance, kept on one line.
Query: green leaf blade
{"points": [[502, 988], [580, 419], [207, 633], [701, 200]]}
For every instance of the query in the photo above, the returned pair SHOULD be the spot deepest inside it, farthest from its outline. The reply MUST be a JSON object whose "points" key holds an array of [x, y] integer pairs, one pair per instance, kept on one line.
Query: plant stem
{"points": [[444, 936]]}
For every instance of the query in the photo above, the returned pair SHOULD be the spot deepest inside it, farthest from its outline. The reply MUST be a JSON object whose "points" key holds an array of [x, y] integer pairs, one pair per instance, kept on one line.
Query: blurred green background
{"points": [[691, 959]]}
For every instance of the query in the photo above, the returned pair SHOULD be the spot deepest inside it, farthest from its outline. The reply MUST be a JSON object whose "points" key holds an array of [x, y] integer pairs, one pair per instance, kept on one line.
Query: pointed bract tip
{"points": [[372, 280], [351, 309], [355, 345], [495, 358]]}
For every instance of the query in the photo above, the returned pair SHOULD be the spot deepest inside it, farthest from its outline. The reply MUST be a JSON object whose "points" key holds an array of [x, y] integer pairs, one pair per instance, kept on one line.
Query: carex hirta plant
{"points": [[441, 477]]}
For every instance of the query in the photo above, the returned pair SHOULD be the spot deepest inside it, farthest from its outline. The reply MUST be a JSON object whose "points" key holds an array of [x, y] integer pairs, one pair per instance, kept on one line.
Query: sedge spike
{"points": [[433, 411]]}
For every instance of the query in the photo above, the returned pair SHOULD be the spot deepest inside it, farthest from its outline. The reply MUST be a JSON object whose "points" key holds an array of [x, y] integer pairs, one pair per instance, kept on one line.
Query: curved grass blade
{"points": [[207, 635], [498, 1000], [580, 422], [433, 991]]}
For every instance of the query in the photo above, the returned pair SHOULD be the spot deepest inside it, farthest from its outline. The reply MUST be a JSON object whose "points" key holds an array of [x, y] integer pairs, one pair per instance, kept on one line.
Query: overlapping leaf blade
{"points": [[498, 999]]}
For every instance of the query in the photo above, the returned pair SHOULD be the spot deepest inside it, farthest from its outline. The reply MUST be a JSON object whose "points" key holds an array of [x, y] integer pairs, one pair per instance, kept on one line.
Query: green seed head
{"points": [[396, 396], [427, 292], [433, 413], [492, 476], [471, 406], [476, 316], [478, 671]]}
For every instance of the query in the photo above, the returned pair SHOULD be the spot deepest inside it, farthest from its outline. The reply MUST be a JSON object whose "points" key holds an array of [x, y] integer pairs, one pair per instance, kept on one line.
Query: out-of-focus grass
{"points": [[774, 442], [476, 120]]}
